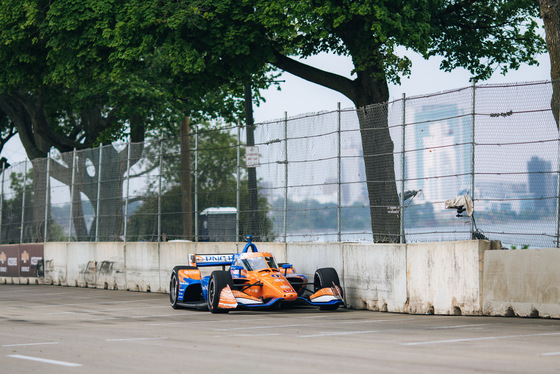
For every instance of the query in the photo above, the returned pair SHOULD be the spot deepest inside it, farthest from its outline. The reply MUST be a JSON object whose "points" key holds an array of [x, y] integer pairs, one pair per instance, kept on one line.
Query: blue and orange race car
{"points": [[254, 280]]}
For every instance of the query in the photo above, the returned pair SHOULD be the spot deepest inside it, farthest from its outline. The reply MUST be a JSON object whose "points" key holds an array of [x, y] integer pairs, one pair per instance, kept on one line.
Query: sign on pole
{"points": [[252, 156]]}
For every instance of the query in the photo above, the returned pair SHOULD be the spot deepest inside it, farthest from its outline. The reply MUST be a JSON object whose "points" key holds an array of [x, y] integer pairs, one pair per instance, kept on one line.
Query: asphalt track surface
{"points": [[53, 329]]}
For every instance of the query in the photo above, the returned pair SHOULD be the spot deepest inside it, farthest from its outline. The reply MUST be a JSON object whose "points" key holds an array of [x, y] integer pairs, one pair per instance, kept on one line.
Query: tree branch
{"points": [[20, 118], [330, 80]]}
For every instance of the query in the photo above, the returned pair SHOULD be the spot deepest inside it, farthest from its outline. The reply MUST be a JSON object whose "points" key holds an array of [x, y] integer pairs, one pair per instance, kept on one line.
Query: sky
{"points": [[298, 96]]}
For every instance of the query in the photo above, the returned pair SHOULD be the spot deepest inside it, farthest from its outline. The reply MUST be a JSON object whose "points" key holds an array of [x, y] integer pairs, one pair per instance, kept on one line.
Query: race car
{"points": [[253, 280]]}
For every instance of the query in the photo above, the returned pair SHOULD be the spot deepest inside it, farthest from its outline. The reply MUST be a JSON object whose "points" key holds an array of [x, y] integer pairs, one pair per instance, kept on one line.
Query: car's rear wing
{"points": [[222, 259]]}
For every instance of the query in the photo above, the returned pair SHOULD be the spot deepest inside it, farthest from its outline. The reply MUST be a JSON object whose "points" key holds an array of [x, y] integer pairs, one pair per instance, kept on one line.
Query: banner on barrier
{"points": [[21, 260]]}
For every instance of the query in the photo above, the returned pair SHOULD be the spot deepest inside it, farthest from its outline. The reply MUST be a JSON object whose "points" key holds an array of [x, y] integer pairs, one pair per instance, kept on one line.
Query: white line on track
{"points": [[229, 321], [340, 333], [26, 295], [458, 327], [479, 339], [245, 335], [137, 308], [46, 361], [133, 317], [134, 339], [166, 324], [551, 354], [301, 325], [375, 321], [77, 304], [109, 310], [261, 327], [28, 344]]}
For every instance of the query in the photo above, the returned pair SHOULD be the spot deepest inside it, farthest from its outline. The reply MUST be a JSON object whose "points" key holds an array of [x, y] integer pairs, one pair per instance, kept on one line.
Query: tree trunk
{"points": [[186, 184], [112, 169], [371, 97], [27, 113], [370, 93], [550, 13], [39, 199], [380, 173]]}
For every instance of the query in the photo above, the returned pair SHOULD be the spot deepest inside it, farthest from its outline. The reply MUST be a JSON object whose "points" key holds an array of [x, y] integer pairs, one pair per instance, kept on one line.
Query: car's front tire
{"points": [[326, 277], [174, 286], [218, 281]]}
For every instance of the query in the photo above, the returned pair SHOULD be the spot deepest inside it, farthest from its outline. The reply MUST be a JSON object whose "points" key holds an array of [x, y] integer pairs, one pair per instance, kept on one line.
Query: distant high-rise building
{"points": [[354, 187], [541, 183], [438, 151]]}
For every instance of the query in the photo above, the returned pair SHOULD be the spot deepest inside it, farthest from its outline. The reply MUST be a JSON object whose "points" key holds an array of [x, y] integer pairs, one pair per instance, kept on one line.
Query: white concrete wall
{"points": [[375, 276], [308, 257], [142, 270], [446, 277], [138, 266], [442, 278], [97, 265], [522, 282]]}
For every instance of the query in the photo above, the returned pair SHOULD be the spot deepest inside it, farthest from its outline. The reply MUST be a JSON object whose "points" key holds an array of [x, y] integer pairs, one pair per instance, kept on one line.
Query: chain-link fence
{"points": [[319, 177]]}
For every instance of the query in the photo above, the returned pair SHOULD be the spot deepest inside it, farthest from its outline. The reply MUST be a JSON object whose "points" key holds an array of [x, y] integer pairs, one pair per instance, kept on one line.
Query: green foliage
{"points": [[97, 71], [12, 213], [217, 185], [227, 37], [80, 72], [159, 60]]}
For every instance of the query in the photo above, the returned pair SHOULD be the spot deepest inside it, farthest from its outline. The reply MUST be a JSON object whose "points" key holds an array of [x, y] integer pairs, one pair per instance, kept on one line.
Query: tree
{"points": [[13, 206], [7, 131], [62, 88], [54, 104], [207, 44], [550, 14], [216, 177], [226, 37]]}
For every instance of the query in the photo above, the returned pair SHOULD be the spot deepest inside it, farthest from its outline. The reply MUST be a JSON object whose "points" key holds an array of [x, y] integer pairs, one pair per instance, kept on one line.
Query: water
{"points": [[535, 234]]}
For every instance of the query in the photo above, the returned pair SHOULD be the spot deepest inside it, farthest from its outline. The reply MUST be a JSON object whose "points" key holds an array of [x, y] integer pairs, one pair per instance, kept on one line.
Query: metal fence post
{"points": [[127, 190], [196, 184], [403, 165], [47, 200], [23, 205], [285, 176], [2, 199], [473, 125], [238, 180], [159, 189], [72, 193], [558, 197], [99, 171], [339, 178]]}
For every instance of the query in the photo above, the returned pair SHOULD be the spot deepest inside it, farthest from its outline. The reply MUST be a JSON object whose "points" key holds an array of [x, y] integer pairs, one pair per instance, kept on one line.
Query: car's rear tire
{"points": [[174, 286], [218, 281], [326, 277]]}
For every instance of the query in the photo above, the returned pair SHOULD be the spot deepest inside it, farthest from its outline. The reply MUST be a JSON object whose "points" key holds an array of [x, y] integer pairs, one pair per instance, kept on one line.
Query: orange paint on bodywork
{"points": [[268, 282], [227, 300], [189, 273]]}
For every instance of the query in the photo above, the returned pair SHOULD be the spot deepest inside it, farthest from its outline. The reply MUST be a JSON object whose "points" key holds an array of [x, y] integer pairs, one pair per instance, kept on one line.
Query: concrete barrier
{"points": [[308, 257], [464, 277], [375, 276], [446, 277], [522, 283], [97, 265]]}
